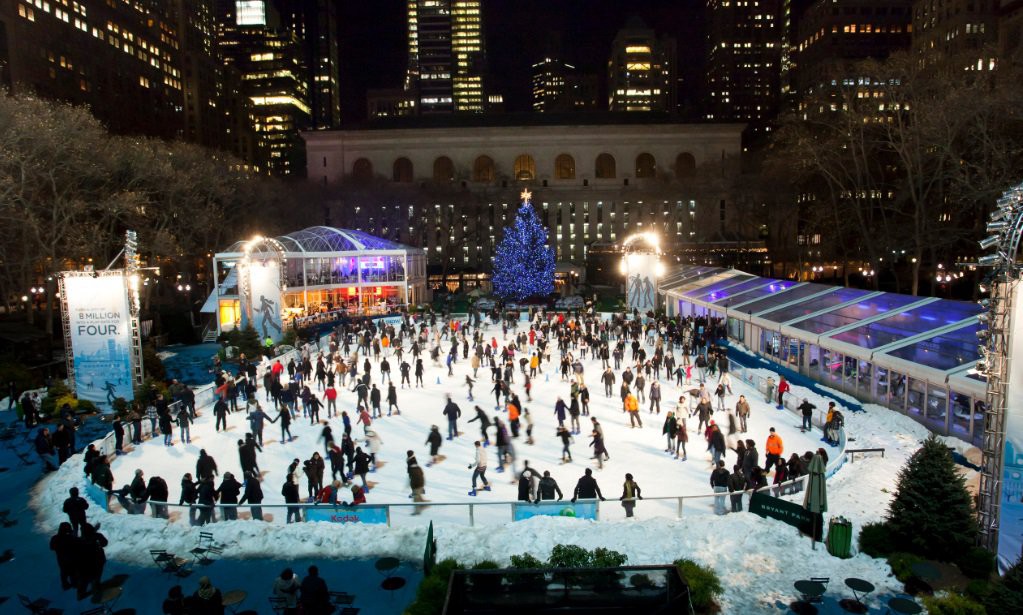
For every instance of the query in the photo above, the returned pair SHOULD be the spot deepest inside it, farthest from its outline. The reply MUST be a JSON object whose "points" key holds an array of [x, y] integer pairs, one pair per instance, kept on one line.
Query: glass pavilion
{"points": [[327, 269], [917, 355]]}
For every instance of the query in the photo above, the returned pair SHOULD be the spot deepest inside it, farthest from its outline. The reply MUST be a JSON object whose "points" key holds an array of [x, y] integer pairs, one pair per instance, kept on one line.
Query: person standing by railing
{"points": [[630, 493], [736, 485], [719, 482]]}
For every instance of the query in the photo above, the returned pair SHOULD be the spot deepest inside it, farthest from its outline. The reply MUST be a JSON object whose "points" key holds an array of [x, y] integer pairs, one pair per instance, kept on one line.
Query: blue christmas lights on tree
{"points": [[524, 264]]}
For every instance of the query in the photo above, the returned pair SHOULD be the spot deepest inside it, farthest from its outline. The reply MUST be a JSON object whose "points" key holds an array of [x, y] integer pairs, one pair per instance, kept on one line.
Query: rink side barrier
{"points": [[518, 510]]}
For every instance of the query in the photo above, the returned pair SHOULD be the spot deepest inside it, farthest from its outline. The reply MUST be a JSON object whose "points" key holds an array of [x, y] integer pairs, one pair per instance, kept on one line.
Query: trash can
{"points": [[840, 537]]}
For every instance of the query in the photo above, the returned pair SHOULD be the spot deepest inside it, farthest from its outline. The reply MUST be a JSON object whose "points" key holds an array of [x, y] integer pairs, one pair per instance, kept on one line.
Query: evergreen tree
{"points": [[524, 264], [932, 512], [1007, 593]]}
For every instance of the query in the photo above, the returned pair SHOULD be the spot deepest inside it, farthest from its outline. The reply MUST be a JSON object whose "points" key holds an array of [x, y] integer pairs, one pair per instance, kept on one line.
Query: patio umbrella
{"points": [[816, 498]]}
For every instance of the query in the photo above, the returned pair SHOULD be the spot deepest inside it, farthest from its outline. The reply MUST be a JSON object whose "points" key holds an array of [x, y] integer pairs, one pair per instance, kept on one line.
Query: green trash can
{"points": [[840, 537]]}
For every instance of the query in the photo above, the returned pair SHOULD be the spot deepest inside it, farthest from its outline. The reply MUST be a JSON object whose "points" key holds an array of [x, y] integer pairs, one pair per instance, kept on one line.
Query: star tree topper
{"points": [[526, 195]]}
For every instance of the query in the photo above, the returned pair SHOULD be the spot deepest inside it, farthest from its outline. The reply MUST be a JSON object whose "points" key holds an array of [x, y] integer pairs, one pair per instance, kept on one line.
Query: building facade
{"points": [[446, 57], [273, 80], [641, 70], [452, 191], [744, 53], [833, 34], [315, 22], [558, 87], [949, 27], [97, 53]]}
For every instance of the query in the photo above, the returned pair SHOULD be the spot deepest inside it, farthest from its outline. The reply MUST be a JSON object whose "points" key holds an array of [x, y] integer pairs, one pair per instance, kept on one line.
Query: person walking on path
{"points": [[630, 493], [719, 482], [479, 468]]}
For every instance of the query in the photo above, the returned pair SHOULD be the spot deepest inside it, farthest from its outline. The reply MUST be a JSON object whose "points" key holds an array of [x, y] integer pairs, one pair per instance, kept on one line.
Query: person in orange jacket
{"points": [[632, 407], [774, 449]]}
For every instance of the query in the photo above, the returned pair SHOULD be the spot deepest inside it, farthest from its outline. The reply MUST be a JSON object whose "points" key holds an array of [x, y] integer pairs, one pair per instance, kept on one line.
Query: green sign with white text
{"points": [[788, 512]]}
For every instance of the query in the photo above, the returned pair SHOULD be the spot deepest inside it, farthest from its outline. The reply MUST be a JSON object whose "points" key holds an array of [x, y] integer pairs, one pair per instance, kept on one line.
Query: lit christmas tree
{"points": [[524, 264]]}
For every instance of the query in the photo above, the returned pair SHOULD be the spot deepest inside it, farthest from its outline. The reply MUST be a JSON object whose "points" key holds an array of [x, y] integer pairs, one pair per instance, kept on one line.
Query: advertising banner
{"points": [[347, 514], [641, 282], [265, 295], [787, 512], [1010, 522], [100, 337], [576, 510]]}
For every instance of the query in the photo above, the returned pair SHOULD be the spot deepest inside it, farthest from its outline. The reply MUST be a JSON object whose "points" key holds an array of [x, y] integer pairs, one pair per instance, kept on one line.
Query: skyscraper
{"points": [[269, 61], [943, 27], [447, 57], [316, 24], [641, 71], [744, 44], [558, 87], [124, 60]]}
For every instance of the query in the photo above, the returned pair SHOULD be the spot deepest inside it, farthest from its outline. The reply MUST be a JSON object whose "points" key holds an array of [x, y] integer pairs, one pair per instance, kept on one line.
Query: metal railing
{"points": [[421, 513]]}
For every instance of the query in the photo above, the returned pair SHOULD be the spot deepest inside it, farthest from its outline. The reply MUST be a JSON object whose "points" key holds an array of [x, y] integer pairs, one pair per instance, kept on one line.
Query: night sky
{"points": [[374, 53]]}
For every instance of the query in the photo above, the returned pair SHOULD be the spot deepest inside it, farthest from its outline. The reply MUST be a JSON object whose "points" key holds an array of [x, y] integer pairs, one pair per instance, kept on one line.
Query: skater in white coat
{"points": [[479, 468]]}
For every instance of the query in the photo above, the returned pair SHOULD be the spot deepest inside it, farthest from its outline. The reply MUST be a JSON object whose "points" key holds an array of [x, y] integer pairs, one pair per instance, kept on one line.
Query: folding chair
{"points": [[278, 604], [342, 598], [205, 548], [38, 607], [823, 581], [168, 562]]}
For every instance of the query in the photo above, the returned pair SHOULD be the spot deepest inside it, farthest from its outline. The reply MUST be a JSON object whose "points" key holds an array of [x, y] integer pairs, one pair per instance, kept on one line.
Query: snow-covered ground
{"points": [[758, 559]]}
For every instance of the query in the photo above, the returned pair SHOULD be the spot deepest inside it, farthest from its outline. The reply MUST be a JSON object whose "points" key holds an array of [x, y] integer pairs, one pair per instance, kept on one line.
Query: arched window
{"points": [[483, 170], [443, 170], [525, 167], [685, 165], [403, 170], [646, 166], [564, 167], [362, 169], [605, 167]]}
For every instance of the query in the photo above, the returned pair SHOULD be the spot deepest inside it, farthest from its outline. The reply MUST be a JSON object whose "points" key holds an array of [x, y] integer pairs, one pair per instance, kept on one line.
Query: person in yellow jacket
{"points": [[632, 407], [534, 364], [774, 449]]}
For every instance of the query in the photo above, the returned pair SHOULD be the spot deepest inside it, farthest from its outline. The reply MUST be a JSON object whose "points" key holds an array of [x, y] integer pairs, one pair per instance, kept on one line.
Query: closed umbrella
{"points": [[816, 498]]}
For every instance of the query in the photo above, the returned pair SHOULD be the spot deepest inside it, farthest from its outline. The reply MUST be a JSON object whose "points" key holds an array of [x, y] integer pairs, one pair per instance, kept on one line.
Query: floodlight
{"points": [[989, 260], [989, 242], [997, 227]]}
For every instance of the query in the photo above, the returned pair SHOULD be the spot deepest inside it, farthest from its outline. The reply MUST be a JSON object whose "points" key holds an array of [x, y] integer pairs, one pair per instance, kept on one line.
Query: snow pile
{"points": [[758, 559]]}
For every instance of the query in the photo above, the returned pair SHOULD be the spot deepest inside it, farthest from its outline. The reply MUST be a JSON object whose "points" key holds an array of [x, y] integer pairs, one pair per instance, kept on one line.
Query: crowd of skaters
{"points": [[361, 358]]}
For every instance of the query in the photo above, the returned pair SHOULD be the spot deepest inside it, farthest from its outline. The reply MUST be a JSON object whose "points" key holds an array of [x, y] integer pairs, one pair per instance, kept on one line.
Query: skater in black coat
{"points": [[229, 490], [207, 497], [290, 493], [253, 495], [362, 466], [484, 420], [587, 487], [434, 440], [548, 487], [205, 467], [156, 491], [189, 495], [247, 454]]}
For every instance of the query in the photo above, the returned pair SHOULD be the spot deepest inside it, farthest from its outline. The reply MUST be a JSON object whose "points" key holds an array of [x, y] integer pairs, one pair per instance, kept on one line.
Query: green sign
{"points": [[788, 512]]}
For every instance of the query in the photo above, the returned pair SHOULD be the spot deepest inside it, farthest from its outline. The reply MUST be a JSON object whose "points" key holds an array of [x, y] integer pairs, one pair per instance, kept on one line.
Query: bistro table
{"points": [[861, 589], [809, 591], [233, 599], [904, 606]]}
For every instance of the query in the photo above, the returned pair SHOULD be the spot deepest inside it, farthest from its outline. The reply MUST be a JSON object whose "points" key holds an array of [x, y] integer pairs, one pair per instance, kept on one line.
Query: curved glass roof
{"points": [[938, 335], [328, 239]]}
